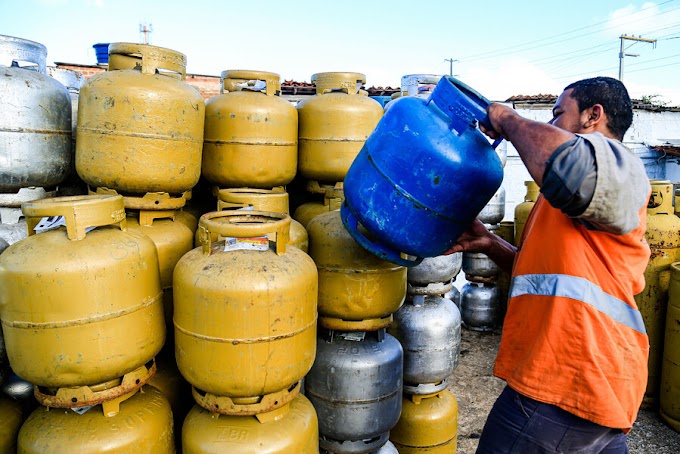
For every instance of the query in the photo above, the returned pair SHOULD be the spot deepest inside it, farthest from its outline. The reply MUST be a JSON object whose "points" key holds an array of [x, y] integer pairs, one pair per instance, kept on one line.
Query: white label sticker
{"points": [[82, 410], [258, 243], [354, 336], [49, 223], [53, 222]]}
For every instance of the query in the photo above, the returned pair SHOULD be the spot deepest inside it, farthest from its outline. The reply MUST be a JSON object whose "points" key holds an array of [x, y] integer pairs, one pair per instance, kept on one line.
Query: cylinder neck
{"points": [[72, 80], [411, 83], [661, 198], [533, 191], [464, 106], [259, 199], [148, 59], [23, 53], [247, 80], [346, 82]]}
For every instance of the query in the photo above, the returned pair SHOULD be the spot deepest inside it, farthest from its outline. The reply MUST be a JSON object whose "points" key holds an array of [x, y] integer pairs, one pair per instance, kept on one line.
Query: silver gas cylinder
{"points": [[387, 448], [72, 80], [18, 389], [428, 328], [433, 276], [502, 152], [479, 267], [355, 386], [494, 211], [453, 295], [35, 119], [480, 306], [12, 222]]}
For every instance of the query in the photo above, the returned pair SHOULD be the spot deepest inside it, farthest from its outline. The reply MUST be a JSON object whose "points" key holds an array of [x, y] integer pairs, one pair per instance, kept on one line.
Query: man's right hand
{"points": [[474, 239], [477, 238]]}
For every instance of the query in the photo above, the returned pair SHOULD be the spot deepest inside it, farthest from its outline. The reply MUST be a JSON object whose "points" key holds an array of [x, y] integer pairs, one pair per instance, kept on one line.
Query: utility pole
{"points": [[622, 53], [146, 30], [451, 61]]}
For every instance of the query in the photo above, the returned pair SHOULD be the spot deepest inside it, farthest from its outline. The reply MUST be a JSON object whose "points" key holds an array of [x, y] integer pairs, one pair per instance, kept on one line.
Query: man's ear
{"points": [[594, 118]]}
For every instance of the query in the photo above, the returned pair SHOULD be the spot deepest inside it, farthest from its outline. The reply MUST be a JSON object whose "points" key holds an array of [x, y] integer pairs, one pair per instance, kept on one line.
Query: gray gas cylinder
{"points": [[35, 119], [355, 386]]}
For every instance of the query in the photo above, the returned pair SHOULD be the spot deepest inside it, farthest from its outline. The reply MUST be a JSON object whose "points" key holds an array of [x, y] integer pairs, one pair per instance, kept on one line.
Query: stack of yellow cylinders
{"points": [[357, 290], [523, 209], [140, 126], [83, 320], [428, 424], [245, 329], [333, 197], [11, 415], [291, 429], [663, 237], [143, 425], [274, 200], [250, 133], [669, 401], [334, 125]]}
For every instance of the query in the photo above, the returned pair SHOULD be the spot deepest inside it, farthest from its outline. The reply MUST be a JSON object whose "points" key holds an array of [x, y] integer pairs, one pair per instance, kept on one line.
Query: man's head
{"points": [[600, 104]]}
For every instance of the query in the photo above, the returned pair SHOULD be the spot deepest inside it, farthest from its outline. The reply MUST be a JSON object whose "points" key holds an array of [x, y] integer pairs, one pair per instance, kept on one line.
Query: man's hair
{"points": [[613, 97]]}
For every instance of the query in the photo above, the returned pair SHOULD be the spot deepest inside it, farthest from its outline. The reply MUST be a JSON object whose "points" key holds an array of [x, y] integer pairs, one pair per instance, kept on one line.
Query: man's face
{"points": [[566, 114]]}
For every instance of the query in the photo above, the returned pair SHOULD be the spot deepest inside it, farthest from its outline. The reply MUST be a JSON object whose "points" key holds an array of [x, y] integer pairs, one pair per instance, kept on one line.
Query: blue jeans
{"points": [[520, 425]]}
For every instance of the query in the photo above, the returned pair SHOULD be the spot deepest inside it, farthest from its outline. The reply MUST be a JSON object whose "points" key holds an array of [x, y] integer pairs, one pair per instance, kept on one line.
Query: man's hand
{"points": [[474, 239], [497, 115], [478, 239]]}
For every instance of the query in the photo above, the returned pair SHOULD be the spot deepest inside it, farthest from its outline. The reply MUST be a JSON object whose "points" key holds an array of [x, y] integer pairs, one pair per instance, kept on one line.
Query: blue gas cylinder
{"points": [[422, 176]]}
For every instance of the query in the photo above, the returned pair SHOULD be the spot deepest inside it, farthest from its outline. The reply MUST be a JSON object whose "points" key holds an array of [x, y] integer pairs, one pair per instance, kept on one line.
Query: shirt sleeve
{"points": [[597, 180]]}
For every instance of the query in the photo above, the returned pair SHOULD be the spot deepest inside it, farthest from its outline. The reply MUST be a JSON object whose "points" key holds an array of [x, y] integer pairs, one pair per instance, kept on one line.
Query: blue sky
{"points": [[504, 48]]}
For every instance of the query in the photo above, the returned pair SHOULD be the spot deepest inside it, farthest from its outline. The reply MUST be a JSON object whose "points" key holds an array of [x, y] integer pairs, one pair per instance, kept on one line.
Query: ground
{"points": [[476, 390]]}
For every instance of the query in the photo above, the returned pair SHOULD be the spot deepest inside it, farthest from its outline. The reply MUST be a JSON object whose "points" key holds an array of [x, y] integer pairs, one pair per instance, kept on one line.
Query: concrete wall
{"points": [[649, 128]]}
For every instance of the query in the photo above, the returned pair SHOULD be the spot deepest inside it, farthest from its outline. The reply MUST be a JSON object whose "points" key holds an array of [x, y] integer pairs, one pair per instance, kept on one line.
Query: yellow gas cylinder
{"points": [[250, 132], [428, 424], [505, 230], [275, 200], [669, 398], [357, 290], [11, 417], [333, 196], [334, 124], [174, 387], [140, 126], [245, 313], [143, 425], [291, 429], [157, 217], [523, 209], [663, 237], [81, 307]]}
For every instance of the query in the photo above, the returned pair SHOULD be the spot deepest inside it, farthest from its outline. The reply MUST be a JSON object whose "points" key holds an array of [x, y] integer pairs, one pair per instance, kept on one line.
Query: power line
{"points": [[495, 53], [655, 67]]}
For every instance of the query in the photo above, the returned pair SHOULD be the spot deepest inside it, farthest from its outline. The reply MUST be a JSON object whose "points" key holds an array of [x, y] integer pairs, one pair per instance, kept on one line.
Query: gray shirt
{"points": [[597, 180]]}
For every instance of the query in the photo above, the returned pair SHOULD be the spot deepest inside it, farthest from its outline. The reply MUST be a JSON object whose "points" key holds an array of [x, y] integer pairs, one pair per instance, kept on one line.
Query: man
{"points": [[574, 348]]}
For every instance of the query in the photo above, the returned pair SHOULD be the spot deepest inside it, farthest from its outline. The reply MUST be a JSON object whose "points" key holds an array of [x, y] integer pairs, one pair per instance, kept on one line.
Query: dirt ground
{"points": [[476, 389]]}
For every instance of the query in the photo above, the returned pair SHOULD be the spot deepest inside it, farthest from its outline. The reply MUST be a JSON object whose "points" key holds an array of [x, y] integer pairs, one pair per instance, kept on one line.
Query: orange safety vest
{"points": [[573, 336]]}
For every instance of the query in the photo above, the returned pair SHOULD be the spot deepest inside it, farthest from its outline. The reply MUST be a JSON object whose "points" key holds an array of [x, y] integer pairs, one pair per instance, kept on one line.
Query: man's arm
{"points": [[535, 142], [478, 239]]}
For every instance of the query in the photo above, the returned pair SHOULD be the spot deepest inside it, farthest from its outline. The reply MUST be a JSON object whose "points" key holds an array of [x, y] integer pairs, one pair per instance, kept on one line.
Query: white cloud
{"points": [[648, 19]]}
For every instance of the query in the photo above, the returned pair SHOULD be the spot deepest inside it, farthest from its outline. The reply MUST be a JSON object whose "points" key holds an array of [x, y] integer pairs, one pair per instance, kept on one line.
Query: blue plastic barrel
{"points": [[102, 52], [422, 176]]}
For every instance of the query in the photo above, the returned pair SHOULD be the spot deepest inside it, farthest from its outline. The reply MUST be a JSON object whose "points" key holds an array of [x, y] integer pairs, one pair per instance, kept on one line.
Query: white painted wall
{"points": [[649, 128]]}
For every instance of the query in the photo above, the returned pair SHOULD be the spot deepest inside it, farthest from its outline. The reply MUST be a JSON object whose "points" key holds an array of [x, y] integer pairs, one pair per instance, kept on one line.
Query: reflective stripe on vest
{"points": [[580, 289]]}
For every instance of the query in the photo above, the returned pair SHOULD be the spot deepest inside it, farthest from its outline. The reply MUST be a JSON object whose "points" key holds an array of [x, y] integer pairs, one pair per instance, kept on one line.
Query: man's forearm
{"points": [[502, 253], [534, 141]]}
